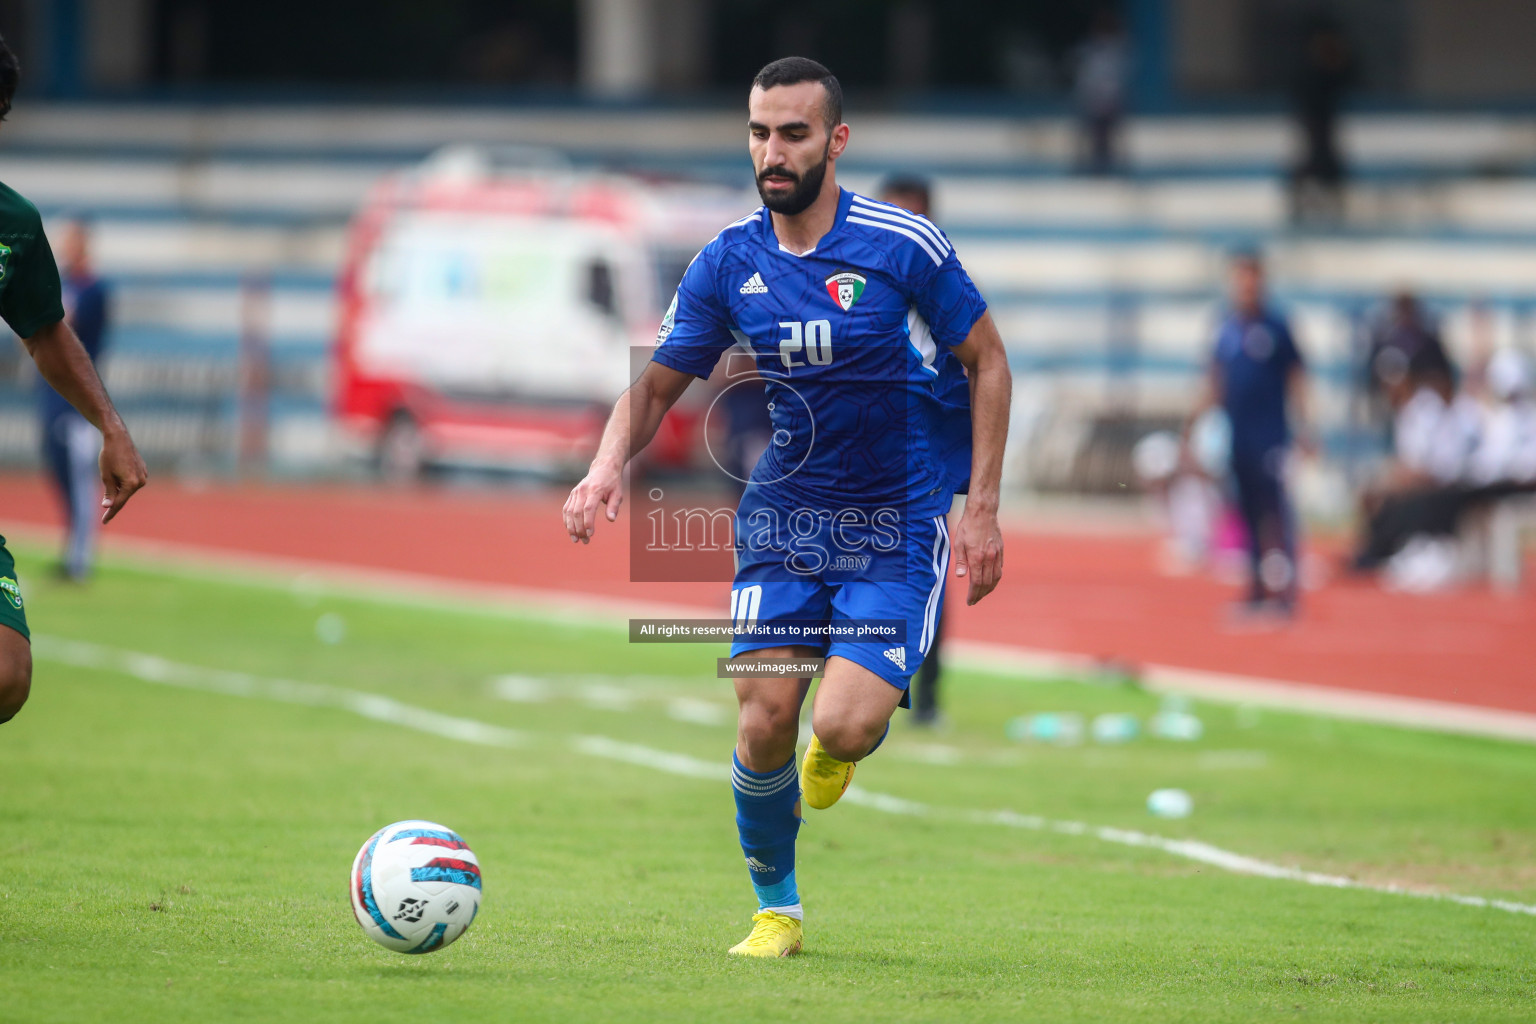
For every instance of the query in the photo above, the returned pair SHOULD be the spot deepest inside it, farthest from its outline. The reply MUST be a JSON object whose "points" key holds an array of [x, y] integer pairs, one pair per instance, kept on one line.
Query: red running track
{"points": [[1093, 595]]}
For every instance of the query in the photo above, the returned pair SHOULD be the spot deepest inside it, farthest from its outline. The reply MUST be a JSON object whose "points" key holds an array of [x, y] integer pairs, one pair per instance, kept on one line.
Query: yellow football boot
{"points": [[823, 778], [772, 935]]}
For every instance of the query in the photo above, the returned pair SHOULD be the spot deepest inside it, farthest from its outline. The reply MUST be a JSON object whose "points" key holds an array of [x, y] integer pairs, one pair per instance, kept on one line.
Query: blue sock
{"points": [[768, 824]]}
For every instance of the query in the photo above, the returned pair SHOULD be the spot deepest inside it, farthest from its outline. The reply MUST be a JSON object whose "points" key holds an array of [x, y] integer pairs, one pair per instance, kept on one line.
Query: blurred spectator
{"points": [[910, 192], [1399, 333], [914, 194], [1507, 452], [1103, 68], [1425, 488], [1324, 73], [1405, 334], [1258, 376], [1436, 428], [1480, 346], [1451, 461], [1188, 481], [71, 446]]}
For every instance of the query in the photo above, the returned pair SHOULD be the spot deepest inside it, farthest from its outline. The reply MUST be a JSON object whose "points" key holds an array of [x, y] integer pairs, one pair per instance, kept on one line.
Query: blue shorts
{"points": [[858, 585]]}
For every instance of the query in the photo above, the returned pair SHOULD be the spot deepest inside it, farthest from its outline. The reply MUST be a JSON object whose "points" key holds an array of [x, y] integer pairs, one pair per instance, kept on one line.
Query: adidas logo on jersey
{"points": [[757, 865], [898, 656], [754, 286]]}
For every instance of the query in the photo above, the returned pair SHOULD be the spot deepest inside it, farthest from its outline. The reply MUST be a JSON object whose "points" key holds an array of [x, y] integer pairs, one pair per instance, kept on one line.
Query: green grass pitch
{"points": [[176, 855]]}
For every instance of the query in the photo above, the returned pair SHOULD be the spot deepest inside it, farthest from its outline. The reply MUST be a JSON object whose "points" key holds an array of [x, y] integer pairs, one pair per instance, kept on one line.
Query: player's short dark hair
{"points": [[10, 75], [907, 185], [1247, 257], [793, 71]]}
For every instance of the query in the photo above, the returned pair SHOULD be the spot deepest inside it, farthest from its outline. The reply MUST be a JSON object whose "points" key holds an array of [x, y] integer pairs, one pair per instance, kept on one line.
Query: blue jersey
{"points": [[1255, 356], [852, 339]]}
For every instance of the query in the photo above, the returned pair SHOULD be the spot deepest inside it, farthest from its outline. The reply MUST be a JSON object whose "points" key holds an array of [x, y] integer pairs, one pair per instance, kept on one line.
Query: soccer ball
{"points": [[415, 886]]}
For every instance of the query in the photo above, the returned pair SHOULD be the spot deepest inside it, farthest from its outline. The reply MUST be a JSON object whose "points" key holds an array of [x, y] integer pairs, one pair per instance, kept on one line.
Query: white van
{"points": [[489, 307]]}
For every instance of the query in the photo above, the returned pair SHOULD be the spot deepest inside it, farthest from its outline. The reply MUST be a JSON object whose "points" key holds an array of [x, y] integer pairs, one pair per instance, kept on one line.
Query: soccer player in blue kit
{"points": [[860, 317]]}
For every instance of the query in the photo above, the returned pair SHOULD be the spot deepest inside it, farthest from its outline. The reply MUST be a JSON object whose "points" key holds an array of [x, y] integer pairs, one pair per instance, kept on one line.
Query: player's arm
{"points": [[1299, 396], [636, 416], [64, 364], [978, 541], [1208, 392], [694, 332], [1207, 398]]}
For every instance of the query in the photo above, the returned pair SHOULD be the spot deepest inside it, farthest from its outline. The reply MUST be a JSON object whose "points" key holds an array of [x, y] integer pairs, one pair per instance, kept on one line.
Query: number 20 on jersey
{"points": [[812, 340]]}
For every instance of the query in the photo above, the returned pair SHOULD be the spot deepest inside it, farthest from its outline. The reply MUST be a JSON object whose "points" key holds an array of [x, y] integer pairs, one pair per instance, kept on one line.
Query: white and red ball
{"points": [[415, 886]]}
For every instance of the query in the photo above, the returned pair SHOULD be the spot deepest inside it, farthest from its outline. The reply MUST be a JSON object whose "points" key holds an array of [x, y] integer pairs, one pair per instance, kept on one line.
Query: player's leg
{"points": [[1246, 479], [852, 710], [768, 711], [764, 779], [766, 786], [1277, 535], [15, 672], [771, 602], [866, 681], [55, 450], [15, 648], [83, 455]]}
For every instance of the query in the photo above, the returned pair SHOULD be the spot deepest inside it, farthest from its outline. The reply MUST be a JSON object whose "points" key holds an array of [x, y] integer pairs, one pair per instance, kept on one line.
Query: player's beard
{"points": [[807, 187]]}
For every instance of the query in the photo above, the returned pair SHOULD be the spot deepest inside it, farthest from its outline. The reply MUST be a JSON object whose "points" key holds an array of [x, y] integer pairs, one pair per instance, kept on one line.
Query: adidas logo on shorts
{"points": [[754, 286], [898, 656]]}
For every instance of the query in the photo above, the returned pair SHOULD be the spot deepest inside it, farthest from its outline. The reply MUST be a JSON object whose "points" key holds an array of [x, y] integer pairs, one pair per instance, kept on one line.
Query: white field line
{"points": [[612, 693], [315, 578], [153, 669], [1228, 688]]}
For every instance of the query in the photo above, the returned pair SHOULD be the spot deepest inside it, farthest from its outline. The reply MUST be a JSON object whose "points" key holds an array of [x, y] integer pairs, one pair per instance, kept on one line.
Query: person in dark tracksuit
{"points": [[1258, 376], [71, 446]]}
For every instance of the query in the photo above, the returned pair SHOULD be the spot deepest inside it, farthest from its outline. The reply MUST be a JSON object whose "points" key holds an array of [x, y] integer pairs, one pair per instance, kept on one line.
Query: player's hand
{"points": [[122, 472], [602, 487], [978, 543]]}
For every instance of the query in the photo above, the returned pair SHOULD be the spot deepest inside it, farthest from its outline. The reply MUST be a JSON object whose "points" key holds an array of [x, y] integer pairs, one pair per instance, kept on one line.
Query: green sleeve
{"points": [[30, 295]]}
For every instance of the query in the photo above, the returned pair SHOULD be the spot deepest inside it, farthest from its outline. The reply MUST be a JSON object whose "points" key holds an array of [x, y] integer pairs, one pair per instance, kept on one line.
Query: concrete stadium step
{"points": [[296, 192], [1416, 143], [235, 194], [290, 315], [1343, 266], [183, 287], [165, 185]]}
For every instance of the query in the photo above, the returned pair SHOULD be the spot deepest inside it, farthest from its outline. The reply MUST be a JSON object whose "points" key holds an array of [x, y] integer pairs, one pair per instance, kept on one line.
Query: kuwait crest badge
{"points": [[845, 287]]}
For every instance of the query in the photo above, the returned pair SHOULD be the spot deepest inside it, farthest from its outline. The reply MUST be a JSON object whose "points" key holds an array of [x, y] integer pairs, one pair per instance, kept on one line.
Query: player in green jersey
{"points": [[31, 303]]}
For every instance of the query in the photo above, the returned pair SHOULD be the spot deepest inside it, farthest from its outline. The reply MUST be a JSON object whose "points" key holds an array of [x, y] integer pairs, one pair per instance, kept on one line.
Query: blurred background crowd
{"points": [[417, 241]]}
